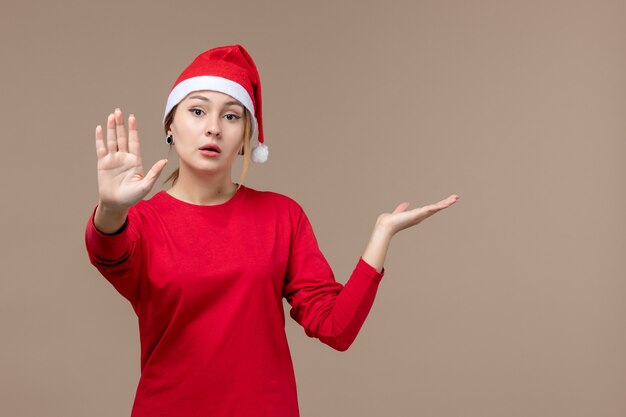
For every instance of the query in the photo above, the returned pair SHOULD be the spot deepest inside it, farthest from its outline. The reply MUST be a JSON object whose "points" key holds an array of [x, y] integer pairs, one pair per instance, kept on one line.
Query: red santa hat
{"points": [[229, 70]]}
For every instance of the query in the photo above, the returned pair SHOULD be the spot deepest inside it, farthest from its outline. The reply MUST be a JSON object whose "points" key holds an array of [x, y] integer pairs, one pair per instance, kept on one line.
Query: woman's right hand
{"points": [[121, 181]]}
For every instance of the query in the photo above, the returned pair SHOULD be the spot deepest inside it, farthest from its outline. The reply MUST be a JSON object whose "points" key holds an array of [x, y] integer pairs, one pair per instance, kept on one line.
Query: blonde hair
{"points": [[247, 137]]}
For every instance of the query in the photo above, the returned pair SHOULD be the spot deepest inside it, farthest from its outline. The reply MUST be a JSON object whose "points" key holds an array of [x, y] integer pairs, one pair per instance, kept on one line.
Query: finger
{"points": [[101, 149], [447, 202], [111, 136], [429, 210], [122, 140], [154, 173], [401, 207], [133, 136]]}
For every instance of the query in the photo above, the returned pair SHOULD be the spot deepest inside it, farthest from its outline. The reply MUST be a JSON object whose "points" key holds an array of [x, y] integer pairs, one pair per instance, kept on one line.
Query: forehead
{"points": [[210, 96]]}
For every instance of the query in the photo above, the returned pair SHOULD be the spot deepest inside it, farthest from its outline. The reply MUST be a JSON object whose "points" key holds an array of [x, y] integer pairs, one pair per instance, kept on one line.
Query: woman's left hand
{"points": [[388, 224], [400, 218]]}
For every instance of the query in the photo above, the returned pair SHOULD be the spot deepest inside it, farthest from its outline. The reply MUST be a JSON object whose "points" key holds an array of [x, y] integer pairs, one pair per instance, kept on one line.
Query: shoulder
{"points": [[149, 204], [271, 204], [271, 198], [148, 208]]}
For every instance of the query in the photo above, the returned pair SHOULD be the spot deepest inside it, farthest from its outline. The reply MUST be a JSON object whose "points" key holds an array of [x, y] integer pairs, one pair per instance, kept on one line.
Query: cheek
{"points": [[182, 129], [175, 129], [240, 133], [235, 135]]}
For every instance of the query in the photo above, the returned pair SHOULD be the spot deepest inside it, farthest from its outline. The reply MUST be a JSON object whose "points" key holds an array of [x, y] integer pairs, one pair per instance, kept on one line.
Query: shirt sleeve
{"points": [[117, 255], [328, 310]]}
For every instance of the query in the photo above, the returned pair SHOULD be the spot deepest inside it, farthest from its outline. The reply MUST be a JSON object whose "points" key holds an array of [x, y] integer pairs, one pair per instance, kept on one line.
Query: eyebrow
{"points": [[228, 103]]}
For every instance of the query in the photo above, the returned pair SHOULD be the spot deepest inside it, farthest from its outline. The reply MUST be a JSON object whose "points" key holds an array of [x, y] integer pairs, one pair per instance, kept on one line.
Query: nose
{"points": [[213, 127]]}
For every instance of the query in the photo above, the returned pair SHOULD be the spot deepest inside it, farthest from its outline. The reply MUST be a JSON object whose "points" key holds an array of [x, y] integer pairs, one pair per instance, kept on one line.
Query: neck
{"points": [[203, 189]]}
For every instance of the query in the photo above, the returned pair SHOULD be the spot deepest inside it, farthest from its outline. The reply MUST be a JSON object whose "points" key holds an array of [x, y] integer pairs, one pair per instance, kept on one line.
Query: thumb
{"points": [[401, 207], [154, 172]]}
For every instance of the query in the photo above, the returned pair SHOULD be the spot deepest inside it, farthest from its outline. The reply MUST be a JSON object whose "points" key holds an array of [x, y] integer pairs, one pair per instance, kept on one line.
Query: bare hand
{"points": [[121, 182], [401, 219]]}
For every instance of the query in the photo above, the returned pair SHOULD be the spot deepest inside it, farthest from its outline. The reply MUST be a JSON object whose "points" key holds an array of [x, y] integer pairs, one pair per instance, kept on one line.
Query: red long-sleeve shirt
{"points": [[207, 283]]}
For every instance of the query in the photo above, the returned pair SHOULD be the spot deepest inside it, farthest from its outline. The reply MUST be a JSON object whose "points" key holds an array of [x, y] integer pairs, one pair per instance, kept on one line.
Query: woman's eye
{"points": [[197, 112], [232, 117]]}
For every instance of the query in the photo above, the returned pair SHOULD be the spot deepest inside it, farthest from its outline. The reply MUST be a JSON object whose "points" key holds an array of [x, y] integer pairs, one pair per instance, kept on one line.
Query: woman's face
{"points": [[208, 129]]}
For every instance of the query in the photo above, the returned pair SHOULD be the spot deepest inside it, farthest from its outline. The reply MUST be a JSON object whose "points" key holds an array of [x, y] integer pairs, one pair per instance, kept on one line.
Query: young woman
{"points": [[206, 263]]}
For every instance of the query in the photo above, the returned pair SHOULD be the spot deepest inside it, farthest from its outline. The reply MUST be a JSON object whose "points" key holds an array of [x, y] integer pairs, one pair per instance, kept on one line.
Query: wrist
{"points": [[377, 247], [111, 209], [382, 231], [109, 220]]}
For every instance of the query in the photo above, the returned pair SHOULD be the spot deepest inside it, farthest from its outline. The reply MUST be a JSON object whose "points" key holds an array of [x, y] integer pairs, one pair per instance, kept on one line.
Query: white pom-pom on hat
{"points": [[260, 153]]}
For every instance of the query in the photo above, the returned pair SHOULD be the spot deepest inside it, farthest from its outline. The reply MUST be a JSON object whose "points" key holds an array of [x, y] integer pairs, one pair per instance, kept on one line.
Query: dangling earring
{"points": [[169, 139]]}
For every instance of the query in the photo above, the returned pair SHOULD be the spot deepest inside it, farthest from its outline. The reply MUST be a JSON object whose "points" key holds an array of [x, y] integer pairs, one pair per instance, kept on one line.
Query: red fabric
{"points": [[207, 283]]}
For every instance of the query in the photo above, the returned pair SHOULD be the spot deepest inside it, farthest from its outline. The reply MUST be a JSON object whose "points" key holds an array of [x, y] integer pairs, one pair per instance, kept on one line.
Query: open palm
{"points": [[121, 179], [401, 219]]}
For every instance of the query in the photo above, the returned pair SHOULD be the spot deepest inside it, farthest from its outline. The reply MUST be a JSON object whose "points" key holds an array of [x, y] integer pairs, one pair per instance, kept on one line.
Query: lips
{"points": [[211, 148]]}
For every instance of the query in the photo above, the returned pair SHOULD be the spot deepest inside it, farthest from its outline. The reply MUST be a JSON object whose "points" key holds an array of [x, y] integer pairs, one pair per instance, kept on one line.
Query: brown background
{"points": [[511, 303]]}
